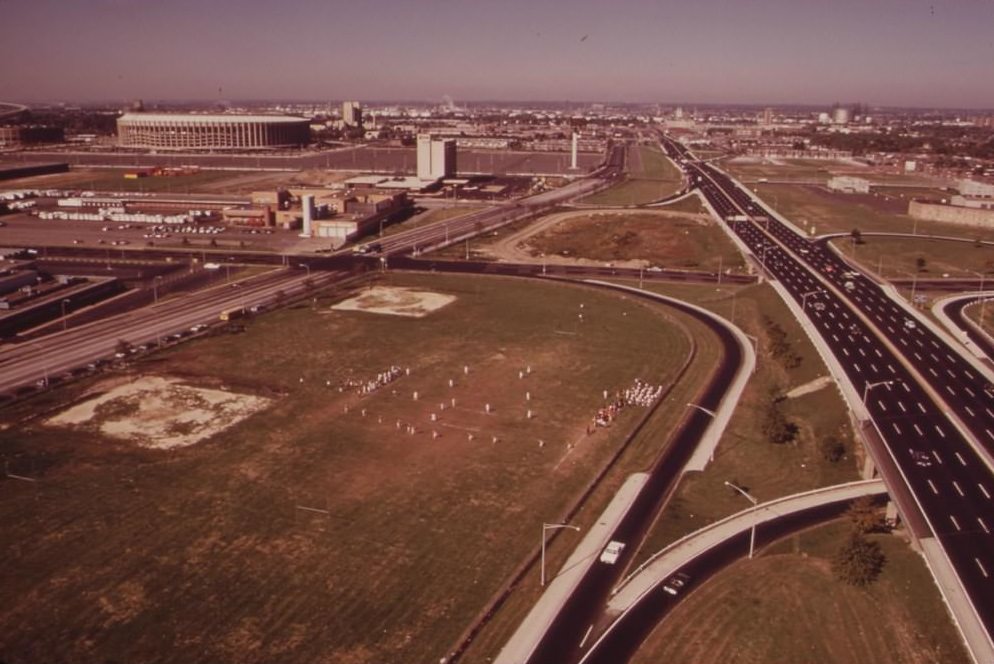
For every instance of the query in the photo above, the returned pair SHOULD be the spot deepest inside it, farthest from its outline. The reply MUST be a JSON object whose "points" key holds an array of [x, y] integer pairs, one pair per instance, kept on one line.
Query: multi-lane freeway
{"points": [[930, 405], [48, 356]]}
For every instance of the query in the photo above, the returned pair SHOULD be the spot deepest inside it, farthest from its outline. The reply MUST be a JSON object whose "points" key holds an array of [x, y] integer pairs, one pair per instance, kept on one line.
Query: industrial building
{"points": [[18, 135], [952, 214], [436, 157], [849, 184], [176, 131]]}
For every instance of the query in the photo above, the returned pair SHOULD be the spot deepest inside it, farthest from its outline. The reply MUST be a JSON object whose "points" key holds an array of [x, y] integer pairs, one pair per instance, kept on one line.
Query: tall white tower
{"points": [[576, 140]]}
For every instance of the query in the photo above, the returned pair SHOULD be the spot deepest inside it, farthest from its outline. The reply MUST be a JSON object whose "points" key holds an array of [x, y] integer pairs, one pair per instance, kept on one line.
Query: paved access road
{"points": [[450, 231], [916, 388]]}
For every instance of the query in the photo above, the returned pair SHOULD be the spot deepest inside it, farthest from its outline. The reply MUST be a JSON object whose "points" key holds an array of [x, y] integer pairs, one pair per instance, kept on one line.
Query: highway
{"points": [[914, 386], [561, 643], [54, 354], [446, 232]]}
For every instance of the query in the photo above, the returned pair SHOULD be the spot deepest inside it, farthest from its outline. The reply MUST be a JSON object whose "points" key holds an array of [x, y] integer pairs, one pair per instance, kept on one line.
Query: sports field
{"points": [[331, 525]]}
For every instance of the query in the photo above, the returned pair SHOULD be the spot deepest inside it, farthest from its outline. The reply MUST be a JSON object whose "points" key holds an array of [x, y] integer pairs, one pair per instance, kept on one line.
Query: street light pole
{"points": [[551, 526], [804, 298], [870, 386], [306, 267], [751, 499]]}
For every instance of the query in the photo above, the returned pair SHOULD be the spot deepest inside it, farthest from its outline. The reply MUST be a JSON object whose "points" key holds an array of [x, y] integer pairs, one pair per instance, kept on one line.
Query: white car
{"points": [[612, 552], [676, 583]]}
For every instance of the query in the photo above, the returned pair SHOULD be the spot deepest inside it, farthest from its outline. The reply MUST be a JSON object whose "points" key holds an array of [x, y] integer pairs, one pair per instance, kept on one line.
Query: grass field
{"points": [[690, 204], [651, 176], [680, 242], [897, 257], [786, 606], [744, 456], [831, 212], [786, 584], [201, 554]]}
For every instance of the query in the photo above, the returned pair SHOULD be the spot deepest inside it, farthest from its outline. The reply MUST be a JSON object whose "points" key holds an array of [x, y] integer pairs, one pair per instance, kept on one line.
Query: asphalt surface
{"points": [[901, 366], [956, 313], [50, 356]]}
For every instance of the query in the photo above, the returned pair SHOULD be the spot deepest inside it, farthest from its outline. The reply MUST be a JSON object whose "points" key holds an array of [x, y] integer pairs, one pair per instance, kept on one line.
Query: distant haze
{"points": [[887, 52]]}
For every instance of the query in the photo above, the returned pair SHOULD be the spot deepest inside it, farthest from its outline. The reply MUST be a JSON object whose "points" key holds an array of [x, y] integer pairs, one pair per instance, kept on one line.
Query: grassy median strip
{"points": [[651, 176]]}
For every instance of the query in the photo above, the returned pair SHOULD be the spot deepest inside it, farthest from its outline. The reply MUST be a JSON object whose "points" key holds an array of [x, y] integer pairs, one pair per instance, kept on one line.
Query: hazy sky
{"points": [[889, 52]]}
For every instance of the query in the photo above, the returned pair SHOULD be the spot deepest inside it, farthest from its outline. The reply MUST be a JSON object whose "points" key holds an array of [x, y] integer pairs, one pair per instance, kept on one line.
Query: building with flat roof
{"points": [[188, 131], [849, 184], [436, 157], [352, 114]]}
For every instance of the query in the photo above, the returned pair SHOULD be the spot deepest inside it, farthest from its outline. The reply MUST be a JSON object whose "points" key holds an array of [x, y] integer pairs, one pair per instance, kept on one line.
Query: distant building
{"points": [[30, 135], [352, 114], [849, 185], [436, 157], [975, 189], [953, 214], [189, 131], [841, 115], [767, 117]]}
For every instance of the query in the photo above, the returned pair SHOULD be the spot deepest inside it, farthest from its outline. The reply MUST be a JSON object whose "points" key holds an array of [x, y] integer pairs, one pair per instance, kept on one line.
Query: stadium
{"points": [[162, 131]]}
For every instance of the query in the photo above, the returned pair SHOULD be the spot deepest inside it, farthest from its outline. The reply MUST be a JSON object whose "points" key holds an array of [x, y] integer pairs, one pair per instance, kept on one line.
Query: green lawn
{"points": [[651, 176], [897, 257]]}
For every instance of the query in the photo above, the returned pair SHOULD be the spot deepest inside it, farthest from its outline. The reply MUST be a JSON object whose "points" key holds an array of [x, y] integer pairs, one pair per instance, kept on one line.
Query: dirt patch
{"points": [[160, 413], [396, 302]]}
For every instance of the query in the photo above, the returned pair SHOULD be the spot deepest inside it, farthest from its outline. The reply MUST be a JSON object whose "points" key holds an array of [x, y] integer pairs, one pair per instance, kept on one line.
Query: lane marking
{"points": [[983, 525], [958, 489], [984, 491], [955, 522], [931, 485], [980, 565], [960, 458]]}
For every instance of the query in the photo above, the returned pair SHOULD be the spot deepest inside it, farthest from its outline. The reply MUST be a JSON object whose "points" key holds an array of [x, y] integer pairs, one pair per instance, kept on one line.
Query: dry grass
{"points": [[786, 606], [200, 553]]}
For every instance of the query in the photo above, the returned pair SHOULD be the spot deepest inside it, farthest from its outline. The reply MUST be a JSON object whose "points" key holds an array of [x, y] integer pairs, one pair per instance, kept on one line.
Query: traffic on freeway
{"points": [[45, 358], [908, 376]]}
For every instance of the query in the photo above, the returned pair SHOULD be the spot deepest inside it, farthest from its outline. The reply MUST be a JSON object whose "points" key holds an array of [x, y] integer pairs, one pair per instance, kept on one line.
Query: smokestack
{"points": [[573, 160]]}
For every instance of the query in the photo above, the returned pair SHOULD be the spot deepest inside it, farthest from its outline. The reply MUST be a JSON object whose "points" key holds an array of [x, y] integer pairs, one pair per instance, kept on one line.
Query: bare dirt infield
{"points": [[202, 553], [395, 302], [160, 413]]}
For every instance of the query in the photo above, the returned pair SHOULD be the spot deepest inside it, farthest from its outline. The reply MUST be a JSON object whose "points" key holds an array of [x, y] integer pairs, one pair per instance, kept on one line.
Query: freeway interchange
{"points": [[929, 405]]}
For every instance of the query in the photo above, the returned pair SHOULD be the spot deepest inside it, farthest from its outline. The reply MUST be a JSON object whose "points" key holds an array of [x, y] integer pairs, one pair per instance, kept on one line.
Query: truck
{"points": [[232, 314]]}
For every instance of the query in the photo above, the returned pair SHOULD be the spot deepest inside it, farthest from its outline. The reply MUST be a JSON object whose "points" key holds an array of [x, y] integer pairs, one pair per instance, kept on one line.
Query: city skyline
{"points": [[888, 53]]}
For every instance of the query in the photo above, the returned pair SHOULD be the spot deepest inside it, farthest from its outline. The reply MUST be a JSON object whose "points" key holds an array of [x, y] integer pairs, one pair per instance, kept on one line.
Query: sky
{"points": [[920, 53]]}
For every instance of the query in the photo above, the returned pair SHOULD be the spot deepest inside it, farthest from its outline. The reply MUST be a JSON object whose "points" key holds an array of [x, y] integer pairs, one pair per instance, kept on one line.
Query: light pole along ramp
{"points": [[640, 601]]}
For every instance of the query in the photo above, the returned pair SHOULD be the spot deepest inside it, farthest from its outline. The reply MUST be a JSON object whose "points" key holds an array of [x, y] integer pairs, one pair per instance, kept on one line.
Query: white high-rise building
{"points": [[352, 114], [436, 157]]}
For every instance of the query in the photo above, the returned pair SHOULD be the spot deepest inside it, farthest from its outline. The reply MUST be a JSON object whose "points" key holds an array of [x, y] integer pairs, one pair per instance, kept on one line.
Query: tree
{"points": [[857, 236], [859, 561], [920, 263], [122, 346], [833, 449], [776, 427], [866, 517]]}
